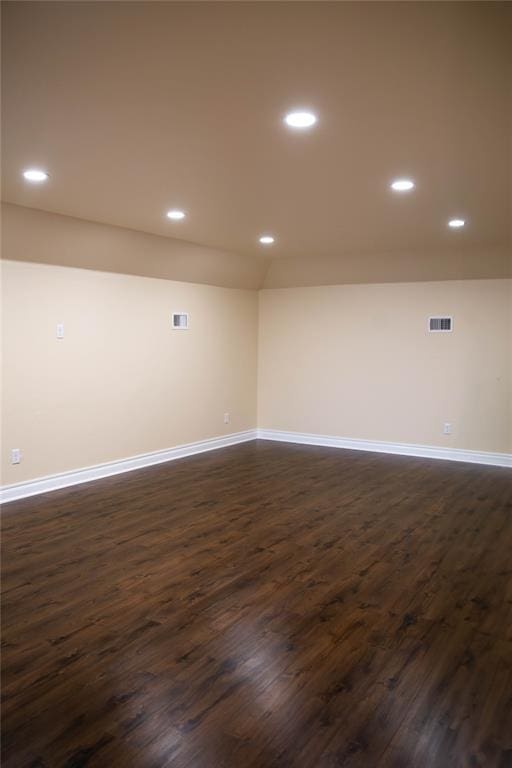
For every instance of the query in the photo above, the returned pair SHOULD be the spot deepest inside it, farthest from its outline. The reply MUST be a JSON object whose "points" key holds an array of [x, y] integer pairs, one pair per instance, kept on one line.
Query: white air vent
{"points": [[180, 321], [440, 324]]}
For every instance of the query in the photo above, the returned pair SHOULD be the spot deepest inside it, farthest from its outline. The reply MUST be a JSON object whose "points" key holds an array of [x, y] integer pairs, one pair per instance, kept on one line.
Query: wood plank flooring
{"points": [[262, 606]]}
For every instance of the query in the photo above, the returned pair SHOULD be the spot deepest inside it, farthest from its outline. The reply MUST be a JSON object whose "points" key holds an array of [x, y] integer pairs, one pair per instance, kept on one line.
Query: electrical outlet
{"points": [[447, 428], [60, 330], [227, 418], [15, 455]]}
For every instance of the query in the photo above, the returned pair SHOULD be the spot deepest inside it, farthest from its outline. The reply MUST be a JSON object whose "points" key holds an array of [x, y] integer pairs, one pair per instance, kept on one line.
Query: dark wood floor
{"points": [[264, 606]]}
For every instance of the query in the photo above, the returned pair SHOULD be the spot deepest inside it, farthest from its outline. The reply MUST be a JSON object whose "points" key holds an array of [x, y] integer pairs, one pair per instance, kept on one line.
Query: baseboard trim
{"points": [[65, 479], [86, 475], [376, 446]]}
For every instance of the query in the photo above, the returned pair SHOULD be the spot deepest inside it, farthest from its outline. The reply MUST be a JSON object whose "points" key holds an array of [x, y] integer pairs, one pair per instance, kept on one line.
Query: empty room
{"points": [[256, 466]]}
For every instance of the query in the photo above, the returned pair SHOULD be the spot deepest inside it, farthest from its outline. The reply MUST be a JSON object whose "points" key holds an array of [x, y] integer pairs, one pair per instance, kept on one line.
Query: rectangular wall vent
{"points": [[440, 324], [180, 321]]}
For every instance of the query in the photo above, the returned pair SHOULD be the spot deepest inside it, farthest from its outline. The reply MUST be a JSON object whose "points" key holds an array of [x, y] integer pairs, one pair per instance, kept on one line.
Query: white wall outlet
{"points": [[227, 418], [447, 428], [15, 455], [60, 330]]}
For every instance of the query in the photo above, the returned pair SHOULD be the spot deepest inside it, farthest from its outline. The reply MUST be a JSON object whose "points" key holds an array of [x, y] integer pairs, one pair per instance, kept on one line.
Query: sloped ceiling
{"points": [[135, 108]]}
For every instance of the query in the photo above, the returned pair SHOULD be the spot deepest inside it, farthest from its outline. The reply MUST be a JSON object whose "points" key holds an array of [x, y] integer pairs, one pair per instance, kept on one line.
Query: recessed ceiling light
{"points": [[266, 239], [456, 223], [176, 215], [35, 175], [300, 119], [402, 185]]}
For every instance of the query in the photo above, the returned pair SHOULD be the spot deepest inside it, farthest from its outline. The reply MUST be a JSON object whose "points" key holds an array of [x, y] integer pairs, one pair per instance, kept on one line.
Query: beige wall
{"points": [[121, 382], [356, 361], [348, 360]]}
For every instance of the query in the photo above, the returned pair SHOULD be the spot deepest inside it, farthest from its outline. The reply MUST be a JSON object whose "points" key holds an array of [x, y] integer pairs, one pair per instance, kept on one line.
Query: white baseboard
{"points": [[376, 446], [65, 479], [54, 482]]}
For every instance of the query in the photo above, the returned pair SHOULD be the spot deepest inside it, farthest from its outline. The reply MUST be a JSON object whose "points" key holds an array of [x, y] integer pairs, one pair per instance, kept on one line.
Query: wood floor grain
{"points": [[262, 606]]}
